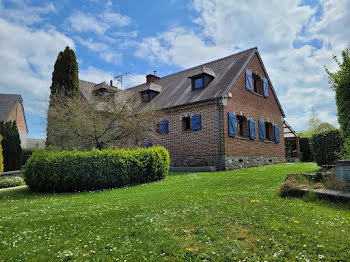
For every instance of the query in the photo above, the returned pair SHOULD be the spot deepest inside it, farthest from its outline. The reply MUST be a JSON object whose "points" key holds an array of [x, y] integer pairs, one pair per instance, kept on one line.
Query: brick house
{"points": [[224, 113], [11, 109]]}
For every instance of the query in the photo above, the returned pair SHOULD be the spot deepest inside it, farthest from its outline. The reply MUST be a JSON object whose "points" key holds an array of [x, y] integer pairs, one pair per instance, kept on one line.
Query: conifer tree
{"points": [[65, 84], [11, 145]]}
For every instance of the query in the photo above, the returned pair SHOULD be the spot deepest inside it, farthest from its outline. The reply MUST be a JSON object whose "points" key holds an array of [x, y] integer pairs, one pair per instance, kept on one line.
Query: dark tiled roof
{"points": [[177, 90], [7, 102]]}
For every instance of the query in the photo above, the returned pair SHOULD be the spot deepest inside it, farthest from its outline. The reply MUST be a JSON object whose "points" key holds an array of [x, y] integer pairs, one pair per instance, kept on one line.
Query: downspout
{"points": [[219, 132]]}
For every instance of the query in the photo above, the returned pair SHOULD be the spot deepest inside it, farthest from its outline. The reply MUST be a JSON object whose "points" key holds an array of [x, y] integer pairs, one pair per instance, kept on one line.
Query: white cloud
{"points": [[27, 60], [104, 51], [98, 23], [223, 27], [82, 22], [27, 15], [180, 47]]}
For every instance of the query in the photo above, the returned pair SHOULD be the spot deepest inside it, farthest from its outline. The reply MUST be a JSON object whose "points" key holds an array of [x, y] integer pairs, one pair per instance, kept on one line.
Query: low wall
{"points": [[226, 162]]}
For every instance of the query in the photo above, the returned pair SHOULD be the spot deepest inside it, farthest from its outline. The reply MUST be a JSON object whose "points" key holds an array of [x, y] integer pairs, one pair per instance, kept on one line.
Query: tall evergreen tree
{"points": [[65, 83], [11, 145]]}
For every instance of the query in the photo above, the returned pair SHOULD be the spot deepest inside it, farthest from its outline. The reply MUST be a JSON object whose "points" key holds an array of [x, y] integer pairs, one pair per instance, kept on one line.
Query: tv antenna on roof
{"points": [[119, 78]]}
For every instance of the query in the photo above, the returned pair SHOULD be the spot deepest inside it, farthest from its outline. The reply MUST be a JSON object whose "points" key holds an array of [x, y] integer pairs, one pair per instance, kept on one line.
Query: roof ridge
{"points": [[190, 68]]}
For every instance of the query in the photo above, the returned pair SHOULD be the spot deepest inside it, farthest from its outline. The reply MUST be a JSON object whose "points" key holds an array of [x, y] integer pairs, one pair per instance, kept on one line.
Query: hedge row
{"points": [[26, 153], [1, 157], [52, 171], [326, 147]]}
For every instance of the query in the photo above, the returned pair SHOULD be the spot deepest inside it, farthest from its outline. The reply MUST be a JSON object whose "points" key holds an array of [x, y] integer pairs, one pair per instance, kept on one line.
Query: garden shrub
{"points": [[306, 149], [52, 171], [326, 146], [26, 153], [11, 182], [1, 157], [11, 145]]}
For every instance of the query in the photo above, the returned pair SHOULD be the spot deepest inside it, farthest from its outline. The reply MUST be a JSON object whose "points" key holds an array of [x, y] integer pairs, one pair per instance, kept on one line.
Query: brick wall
{"points": [[198, 148], [196, 145], [252, 106]]}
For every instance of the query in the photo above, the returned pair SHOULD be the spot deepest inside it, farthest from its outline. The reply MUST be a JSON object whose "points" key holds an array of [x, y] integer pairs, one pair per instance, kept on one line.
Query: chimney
{"points": [[111, 83], [151, 78]]}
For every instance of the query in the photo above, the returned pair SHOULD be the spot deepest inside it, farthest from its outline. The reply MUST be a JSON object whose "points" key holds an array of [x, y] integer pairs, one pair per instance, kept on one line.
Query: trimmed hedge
{"points": [[326, 147], [26, 153], [1, 157], [65, 171], [306, 149]]}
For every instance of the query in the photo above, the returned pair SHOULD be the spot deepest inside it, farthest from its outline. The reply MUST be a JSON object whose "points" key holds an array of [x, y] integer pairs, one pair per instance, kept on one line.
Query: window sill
{"points": [[242, 138], [257, 94], [270, 142]]}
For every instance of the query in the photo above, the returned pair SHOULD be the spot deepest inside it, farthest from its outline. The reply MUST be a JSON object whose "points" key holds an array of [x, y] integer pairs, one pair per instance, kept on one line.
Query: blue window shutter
{"points": [[261, 130], [164, 127], [277, 133], [232, 126], [248, 80], [251, 128], [196, 122], [266, 87]]}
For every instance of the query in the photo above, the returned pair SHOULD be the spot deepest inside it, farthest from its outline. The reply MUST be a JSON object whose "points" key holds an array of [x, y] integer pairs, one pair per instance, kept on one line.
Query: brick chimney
{"points": [[151, 78]]}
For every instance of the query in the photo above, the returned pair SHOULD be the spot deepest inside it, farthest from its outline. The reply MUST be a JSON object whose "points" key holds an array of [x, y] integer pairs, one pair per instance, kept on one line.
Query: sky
{"points": [[296, 40]]}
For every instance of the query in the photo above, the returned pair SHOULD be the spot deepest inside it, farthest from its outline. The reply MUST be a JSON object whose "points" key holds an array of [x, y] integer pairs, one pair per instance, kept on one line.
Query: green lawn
{"points": [[192, 217]]}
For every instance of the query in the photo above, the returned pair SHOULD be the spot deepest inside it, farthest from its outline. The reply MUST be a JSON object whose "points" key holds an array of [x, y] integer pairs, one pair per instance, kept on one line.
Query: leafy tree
{"points": [[314, 121], [340, 82], [65, 84], [114, 119], [11, 145]]}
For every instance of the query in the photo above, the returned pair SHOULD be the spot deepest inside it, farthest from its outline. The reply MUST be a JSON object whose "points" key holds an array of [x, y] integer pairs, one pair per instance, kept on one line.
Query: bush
{"points": [[11, 145], [11, 182], [26, 153], [326, 147], [52, 171], [1, 157], [306, 149]]}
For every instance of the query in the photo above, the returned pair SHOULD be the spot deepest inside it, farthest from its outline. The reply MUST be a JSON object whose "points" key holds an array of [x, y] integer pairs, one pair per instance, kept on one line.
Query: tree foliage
{"points": [[116, 119], [340, 82], [65, 84], [11, 145]]}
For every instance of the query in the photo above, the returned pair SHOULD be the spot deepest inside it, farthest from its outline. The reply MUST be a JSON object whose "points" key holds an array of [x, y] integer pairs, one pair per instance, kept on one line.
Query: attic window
{"points": [[257, 84], [198, 83], [201, 81]]}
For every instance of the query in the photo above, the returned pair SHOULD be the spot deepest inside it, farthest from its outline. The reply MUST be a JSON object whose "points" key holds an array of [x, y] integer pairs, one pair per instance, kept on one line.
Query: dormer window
{"points": [[201, 78], [149, 92], [198, 83]]}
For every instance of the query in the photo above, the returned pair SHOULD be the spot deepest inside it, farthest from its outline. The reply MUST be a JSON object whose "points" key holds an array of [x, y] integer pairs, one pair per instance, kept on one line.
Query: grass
{"points": [[191, 217]]}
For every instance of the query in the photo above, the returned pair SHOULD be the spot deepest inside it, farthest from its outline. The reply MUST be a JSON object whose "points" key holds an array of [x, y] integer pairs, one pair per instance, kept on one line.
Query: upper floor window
{"points": [[186, 123], [257, 84]]}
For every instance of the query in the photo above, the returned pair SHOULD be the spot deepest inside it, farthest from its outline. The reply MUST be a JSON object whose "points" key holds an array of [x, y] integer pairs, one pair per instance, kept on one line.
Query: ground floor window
{"points": [[242, 127], [269, 131]]}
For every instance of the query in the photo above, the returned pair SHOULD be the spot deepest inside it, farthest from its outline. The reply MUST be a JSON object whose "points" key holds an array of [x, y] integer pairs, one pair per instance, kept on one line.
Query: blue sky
{"points": [[295, 39]]}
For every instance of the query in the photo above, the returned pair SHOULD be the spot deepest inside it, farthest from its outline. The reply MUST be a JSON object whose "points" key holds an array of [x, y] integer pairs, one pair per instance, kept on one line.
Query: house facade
{"points": [[11, 109], [224, 113]]}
